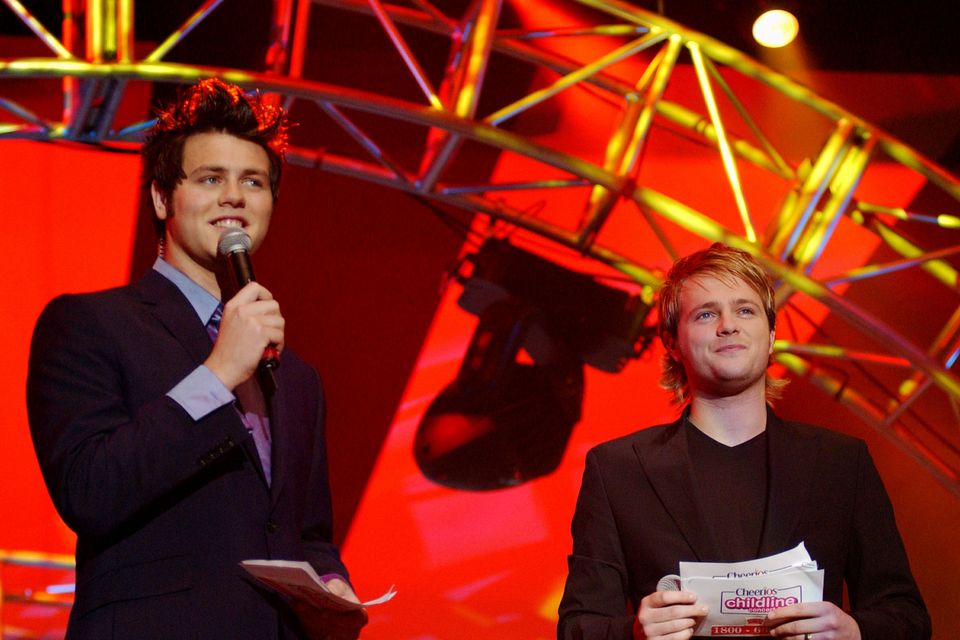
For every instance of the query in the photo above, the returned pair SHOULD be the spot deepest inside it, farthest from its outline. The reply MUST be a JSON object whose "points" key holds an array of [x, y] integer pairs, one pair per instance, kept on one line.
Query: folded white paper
{"points": [[741, 594], [299, 581]]}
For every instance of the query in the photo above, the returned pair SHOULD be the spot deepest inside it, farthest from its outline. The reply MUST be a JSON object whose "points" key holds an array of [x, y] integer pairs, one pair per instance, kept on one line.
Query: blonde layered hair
{"points": [[723, 263]]}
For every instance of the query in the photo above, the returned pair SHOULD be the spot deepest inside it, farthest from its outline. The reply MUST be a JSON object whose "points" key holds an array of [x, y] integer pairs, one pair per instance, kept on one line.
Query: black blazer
{"points": [[637, 518], [164, 507]]}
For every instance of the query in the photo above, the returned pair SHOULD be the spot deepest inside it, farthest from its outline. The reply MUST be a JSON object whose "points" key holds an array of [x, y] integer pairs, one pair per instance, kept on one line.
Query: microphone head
{"points": [[232, 240]]}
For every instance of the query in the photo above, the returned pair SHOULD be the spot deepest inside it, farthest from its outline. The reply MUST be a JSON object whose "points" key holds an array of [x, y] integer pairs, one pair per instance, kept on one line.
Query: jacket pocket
{"points": [[131, 582]]}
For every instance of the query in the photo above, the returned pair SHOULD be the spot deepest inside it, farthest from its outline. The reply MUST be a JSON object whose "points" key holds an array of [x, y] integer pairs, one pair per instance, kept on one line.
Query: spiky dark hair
{"points": [[211, 105]]}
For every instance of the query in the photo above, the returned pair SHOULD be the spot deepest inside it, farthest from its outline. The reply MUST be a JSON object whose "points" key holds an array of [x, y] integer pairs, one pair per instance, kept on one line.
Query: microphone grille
{"points": [[233, 240]]}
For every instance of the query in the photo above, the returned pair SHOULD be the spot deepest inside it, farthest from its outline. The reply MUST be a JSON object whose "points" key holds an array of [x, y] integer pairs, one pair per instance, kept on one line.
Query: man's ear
{"points": [[159, 202]]}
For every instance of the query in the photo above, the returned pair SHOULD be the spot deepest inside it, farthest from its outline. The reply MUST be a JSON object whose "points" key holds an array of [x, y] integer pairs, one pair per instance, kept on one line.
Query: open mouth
{"points": [[229, 223]]}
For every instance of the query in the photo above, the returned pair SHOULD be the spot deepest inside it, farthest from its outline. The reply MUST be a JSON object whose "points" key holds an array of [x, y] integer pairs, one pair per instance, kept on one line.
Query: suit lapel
{"points": [[174, 312], [668, 468], [790, 462]]}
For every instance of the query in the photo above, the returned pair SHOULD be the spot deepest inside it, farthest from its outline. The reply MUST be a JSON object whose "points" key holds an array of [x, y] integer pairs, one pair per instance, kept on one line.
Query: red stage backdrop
{"points": [[66, 225], [359, 304]]}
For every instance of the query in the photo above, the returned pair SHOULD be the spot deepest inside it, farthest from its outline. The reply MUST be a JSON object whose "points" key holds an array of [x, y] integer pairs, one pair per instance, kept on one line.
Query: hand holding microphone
{"points": [[252, 325]]}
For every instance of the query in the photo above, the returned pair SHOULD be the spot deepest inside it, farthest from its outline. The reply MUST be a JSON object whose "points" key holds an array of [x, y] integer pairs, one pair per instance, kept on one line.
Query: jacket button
{"points": [[272, 526]]}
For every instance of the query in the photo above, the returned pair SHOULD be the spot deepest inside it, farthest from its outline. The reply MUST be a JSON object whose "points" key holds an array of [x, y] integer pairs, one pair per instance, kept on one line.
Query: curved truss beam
{"points": [[648, 79]]}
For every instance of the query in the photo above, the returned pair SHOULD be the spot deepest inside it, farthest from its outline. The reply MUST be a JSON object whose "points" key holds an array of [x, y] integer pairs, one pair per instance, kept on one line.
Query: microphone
{"points": [[234, 245]]}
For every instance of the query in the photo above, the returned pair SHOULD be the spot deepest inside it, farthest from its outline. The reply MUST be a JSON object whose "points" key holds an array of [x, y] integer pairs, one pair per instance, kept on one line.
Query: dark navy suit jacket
{"points": [[637, 518], [165, 507]]}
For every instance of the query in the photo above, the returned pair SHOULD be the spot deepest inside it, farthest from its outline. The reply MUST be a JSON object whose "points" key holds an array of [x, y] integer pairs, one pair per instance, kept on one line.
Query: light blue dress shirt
{"points": [[201, 392]]}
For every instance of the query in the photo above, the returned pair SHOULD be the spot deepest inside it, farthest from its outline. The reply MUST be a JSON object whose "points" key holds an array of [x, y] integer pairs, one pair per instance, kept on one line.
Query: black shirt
{"points": [[731, 488]]}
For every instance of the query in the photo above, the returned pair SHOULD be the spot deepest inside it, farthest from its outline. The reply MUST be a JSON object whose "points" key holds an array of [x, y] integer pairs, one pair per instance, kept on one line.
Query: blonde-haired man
{"points": [[730, 481]]}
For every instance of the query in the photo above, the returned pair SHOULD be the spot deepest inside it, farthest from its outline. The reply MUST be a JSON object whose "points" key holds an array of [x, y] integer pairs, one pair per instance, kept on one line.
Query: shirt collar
{"points": [[199, 298]]}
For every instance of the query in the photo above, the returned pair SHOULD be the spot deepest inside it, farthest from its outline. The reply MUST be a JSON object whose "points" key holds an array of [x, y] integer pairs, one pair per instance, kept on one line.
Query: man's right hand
{"points": [[668, 615], [251, 322]]}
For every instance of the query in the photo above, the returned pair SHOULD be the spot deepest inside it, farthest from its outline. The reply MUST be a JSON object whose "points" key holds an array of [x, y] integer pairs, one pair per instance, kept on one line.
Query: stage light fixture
{"points": [[509, 414], [775, 28], [501, 422]]}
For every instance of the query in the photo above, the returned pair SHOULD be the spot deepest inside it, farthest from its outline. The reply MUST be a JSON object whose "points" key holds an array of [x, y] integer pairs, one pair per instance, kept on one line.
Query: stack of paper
{"points": [[741, 594], [299, 582]]}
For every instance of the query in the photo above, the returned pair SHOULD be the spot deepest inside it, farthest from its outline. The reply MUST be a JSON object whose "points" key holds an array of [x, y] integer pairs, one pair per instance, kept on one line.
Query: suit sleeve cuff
{"points": [[200, 393]]}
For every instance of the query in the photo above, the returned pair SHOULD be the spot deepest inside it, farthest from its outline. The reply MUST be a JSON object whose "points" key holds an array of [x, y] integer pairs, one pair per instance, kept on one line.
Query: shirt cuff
{"points": [[200, 393]]}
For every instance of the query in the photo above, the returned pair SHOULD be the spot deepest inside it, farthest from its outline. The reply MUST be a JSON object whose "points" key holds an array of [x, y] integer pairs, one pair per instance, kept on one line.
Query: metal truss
{"points": [[650, 84]]}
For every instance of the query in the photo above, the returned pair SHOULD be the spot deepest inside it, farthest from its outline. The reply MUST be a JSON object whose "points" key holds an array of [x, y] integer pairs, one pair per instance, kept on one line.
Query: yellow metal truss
{"points": [[645, 56]]}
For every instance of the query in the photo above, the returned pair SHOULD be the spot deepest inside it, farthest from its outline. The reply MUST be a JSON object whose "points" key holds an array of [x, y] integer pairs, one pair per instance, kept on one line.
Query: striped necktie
{"points": [[213, 324]]}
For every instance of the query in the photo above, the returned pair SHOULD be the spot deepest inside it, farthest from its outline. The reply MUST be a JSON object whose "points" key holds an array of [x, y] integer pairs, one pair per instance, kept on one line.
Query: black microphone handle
{"points": [[242, 268], [243, 274]]}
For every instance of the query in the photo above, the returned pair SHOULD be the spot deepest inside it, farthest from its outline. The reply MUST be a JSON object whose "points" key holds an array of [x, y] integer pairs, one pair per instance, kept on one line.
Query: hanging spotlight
{"points": [[603, 324], [509, 414], [775, 28], [501, 422]]}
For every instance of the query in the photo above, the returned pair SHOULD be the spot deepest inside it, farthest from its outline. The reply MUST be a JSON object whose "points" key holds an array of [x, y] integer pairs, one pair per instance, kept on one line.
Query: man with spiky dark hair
{"points": [[157, 444]]}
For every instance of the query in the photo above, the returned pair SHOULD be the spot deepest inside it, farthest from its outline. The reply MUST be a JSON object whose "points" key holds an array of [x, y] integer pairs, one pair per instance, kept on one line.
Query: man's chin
{"points": [[733, 384]]}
